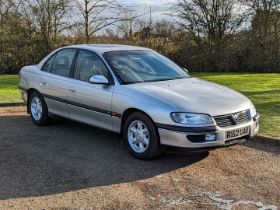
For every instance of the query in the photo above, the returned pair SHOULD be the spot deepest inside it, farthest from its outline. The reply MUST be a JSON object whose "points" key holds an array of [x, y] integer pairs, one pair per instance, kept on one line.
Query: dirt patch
{"points": [[8, 111], [69, 165]]}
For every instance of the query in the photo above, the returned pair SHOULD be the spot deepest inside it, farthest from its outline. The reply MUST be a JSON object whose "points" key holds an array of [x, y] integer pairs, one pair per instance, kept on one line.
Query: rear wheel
{"points": [[38, 109], [141, 136]]}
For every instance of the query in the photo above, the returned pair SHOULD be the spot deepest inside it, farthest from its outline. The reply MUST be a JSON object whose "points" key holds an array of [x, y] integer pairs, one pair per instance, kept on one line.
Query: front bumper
{"points": [[179, 138]]}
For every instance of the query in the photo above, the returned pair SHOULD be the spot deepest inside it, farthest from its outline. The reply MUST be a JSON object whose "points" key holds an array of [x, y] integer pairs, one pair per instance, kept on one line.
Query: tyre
{"points": [[141, 136], [38, 109]]}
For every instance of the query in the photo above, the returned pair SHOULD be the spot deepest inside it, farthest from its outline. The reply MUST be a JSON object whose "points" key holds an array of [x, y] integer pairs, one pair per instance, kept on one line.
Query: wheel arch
{"points": [[128, 112]]}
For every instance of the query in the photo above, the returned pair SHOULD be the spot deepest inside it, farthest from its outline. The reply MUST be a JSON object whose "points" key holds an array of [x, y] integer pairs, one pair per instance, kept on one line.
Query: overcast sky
{"points": [[159, 7]]}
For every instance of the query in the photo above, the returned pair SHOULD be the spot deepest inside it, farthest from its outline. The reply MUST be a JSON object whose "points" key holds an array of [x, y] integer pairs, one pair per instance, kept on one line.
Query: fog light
{"points": [[210, 137]]}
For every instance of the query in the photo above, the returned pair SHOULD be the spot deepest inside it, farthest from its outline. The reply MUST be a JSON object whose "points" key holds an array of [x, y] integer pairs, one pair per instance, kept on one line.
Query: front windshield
{"points": [[143, 66]]}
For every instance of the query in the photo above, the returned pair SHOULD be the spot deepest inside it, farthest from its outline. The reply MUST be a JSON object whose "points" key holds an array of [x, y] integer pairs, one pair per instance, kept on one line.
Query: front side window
{"points": [[143, 66], [63, 62], [89, 64]]}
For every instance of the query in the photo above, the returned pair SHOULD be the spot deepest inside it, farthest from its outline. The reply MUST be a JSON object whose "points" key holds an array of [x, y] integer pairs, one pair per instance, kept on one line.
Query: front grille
{"points": [[233, 119]]}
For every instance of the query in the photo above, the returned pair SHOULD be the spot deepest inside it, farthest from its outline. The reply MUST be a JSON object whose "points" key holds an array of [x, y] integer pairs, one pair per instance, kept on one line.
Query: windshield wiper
{"points": [[165, 79], [155, 80]]}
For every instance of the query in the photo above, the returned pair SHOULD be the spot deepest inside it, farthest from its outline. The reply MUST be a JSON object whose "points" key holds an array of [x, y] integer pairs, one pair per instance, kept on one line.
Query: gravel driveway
{"points": [[70, 165]]}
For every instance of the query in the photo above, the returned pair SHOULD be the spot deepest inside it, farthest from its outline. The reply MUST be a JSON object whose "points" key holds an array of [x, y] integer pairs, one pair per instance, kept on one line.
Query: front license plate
{"points": [[233, 134]]}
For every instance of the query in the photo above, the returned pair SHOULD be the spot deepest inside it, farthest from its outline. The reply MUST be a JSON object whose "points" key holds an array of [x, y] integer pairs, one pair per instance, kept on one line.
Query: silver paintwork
{"points": [[138, 136], [98, 79], [99, 96], [156, 99]]}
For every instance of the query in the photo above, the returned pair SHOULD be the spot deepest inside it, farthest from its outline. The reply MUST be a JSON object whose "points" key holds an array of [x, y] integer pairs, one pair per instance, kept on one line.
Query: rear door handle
{"points": [[72, 90]]}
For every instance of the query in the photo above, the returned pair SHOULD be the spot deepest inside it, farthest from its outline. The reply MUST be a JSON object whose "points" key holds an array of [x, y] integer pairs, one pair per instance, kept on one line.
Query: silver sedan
{"points": [[152, 102]]}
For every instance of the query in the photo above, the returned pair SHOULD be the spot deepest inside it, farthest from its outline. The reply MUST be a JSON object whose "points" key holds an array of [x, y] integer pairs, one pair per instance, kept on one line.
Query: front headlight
{"points": [[253, 111], [191, 118]]}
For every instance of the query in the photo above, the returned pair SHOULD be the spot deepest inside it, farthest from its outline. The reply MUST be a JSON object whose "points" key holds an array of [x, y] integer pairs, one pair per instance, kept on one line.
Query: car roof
{"points": [[101, 48], [97, 48]]}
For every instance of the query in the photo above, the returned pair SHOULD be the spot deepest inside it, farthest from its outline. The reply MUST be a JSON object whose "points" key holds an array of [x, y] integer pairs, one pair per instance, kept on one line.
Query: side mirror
{"points": [[98, 79]]}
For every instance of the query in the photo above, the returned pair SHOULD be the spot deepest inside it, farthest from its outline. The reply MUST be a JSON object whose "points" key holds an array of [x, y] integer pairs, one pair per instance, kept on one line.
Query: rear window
{"points": [[63, 62], [48, 65]]}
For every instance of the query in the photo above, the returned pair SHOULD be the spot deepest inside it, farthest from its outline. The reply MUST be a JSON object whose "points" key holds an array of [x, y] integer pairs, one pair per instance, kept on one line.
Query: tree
{"points": [[94, 17], [15, 38], [263, 39], [47, 16], [211, 23]]}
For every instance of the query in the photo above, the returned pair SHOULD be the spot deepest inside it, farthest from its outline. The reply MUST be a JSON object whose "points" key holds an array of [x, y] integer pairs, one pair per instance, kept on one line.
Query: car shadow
{"points": [[67, 156], [265, 144]]}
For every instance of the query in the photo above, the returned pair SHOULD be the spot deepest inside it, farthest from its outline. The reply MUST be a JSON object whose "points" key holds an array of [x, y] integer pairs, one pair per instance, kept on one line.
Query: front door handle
{"points": [[43, 84]]}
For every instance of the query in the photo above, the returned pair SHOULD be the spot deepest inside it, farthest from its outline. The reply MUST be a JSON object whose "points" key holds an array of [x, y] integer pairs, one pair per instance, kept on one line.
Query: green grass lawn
{"points": [[9, 91], [262, 89]]}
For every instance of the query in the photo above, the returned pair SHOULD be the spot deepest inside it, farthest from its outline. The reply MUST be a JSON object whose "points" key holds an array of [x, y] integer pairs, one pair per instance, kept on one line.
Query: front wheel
{"points": [[141, 136], [38, 109]]}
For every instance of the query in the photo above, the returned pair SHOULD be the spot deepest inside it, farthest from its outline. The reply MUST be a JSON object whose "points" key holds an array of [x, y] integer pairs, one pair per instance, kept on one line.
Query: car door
{"points": [[54, 81], [90, 103]]}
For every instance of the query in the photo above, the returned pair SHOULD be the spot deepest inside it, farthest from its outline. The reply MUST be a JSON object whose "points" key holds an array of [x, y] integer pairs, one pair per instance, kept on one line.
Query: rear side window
{"points": [[63, 62], [48, 65]]}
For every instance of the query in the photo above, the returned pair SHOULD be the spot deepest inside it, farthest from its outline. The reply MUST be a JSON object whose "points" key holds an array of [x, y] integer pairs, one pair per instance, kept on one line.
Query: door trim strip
{"points": [[84, 106]]}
